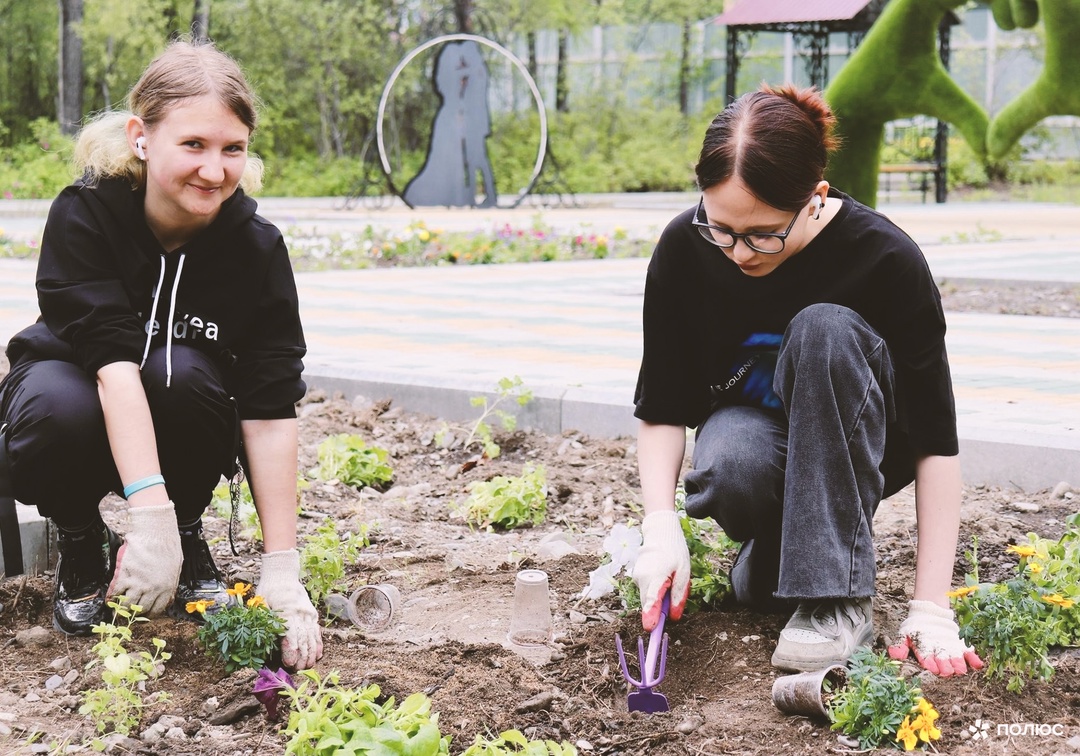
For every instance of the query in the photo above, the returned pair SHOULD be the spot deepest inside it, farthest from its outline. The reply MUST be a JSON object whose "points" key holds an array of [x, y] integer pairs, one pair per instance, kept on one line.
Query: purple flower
{"points": [[268, 687]]}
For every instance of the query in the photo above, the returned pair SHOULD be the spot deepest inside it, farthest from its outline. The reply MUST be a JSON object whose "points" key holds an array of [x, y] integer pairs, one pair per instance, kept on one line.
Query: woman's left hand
{"points": [[279, 584], [930, 633]]}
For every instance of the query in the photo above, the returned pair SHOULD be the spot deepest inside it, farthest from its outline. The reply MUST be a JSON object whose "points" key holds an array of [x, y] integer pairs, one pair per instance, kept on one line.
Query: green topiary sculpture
{"points": [[895, 73], [1057, 90]]}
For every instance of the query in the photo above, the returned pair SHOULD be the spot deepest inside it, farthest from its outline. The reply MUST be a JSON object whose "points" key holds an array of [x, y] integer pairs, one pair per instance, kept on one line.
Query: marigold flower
{"points": [[1023, 551], [1035, 568], [255, 601], [198, 607], [1058, 600], [907, 735], [927, 710], [239, 590], [959, 593]]}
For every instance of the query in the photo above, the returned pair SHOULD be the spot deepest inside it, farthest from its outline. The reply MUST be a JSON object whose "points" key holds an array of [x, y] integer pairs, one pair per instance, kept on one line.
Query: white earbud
{"points": [[816, 202], [140, 148]]}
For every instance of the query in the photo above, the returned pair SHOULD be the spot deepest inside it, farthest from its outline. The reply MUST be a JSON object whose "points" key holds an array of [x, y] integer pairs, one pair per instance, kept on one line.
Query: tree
{"points": [[70, 89], [200, 20]]}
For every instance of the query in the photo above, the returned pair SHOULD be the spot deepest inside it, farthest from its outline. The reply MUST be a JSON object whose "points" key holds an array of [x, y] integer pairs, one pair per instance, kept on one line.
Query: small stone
{"points": [[210, 705], [690, 724], [33, 636], [1073, 742], [153, 733], [71, 676], [540, 702], [61, 664], [577, 618], [54, 683], [1029, 507], [176, 733], [583, 745], [169, 721], [4, 730], [1060, 490], [32, 697], [847, 741]]}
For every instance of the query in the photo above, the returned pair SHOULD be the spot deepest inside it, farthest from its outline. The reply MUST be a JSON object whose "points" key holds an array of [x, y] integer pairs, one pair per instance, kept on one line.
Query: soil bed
{"points": [[449, 638]]}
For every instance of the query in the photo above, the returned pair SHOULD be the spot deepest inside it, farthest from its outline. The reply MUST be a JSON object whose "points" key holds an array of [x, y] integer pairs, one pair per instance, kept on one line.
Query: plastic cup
{"points": [[375, 606], [531, 623], [804, 693]]}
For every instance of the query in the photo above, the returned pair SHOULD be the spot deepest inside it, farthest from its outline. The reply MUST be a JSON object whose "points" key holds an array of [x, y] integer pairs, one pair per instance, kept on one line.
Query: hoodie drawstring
{"points": [[169, 322], [172, 312], [153, 313]]}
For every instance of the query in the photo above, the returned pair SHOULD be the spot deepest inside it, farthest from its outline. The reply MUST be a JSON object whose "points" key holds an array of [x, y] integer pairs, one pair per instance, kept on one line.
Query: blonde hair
{"points": [[183, 71]]}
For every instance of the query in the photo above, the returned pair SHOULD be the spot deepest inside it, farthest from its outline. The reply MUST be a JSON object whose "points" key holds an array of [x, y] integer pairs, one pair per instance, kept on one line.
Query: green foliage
{"points": [[1013, 624], [514, 742], [325, 556], [39, 167], [348, 458], [506, 502], [712, 553], [118, 704], [244, 634], [874, 702], [327, 720], [247, 515], [506, 389]]}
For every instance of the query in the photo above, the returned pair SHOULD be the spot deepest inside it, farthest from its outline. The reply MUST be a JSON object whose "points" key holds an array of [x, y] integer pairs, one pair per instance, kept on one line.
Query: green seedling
{"points": [[327, 719], [349, 459], [118, 704], [480, 434], [325, 556], [506, 502], [514, 742]]}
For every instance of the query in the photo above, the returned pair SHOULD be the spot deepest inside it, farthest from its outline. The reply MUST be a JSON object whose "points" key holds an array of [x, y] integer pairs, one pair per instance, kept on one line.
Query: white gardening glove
{"points": [[148, 564], [662, 563], [930, 632], [279, 584]]}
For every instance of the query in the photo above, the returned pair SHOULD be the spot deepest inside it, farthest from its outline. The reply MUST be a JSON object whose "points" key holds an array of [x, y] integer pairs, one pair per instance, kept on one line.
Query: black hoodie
{"points": [[228, 292]]}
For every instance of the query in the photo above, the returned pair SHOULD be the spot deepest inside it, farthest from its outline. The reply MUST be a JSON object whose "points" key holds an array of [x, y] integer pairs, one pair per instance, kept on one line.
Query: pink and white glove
{"points": [[148, 564], [662, 562], [279, 584], [930, 633]]}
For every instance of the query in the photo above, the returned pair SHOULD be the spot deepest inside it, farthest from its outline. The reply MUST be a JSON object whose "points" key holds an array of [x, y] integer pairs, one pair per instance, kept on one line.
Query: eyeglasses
{"points": [[765, 243]]}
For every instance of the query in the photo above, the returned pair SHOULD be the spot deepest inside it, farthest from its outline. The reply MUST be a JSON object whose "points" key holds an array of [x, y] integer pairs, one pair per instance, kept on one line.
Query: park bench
{"points": [[921, 172]]}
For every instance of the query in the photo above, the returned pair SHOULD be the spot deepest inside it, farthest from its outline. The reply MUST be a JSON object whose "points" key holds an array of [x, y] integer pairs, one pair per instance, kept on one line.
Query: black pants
{"points": [[59, 454]]}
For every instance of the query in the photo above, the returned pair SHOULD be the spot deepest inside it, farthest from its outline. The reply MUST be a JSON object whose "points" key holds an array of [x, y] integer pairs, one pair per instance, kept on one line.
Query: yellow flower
{"points": [[1035, 568], [1058, 600], [239, 590], [423, 235], [255, 601], [199, 606], [906, 735], [926, 709], [924, 727], [1024, 551], [958, 593]]}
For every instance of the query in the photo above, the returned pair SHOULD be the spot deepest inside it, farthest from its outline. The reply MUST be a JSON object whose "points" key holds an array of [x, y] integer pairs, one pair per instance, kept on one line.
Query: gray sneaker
{"points": [[823, 633]]}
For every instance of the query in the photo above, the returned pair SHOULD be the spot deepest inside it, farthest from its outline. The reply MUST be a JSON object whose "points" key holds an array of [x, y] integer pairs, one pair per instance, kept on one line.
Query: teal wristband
{"points": [[147, 482]]}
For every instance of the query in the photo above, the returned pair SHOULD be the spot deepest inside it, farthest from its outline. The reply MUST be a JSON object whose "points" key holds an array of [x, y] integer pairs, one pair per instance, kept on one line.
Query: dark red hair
{"points": [[775, 140]]}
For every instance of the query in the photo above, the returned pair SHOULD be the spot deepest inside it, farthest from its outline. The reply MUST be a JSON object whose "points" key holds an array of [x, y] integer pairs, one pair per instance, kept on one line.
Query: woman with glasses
{"points": [[802, 335]]}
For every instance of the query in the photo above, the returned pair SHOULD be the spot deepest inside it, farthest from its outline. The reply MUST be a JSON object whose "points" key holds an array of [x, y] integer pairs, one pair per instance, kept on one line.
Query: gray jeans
{"points": [[801, 485]]}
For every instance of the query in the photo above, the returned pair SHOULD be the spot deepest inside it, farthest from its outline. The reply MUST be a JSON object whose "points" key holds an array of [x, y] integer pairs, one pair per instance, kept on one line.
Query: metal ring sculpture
{"points": [[499, 49]]}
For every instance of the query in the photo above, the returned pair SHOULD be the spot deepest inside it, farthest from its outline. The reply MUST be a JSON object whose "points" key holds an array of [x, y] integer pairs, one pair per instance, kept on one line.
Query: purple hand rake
{"points": [[652, 669]]}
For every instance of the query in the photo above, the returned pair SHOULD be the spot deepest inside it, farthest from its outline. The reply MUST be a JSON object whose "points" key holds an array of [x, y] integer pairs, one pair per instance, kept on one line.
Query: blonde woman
{"points": [[169, 344]]}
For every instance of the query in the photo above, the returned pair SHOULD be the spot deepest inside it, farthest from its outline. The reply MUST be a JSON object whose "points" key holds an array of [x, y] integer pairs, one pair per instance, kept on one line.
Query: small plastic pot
{"points": [[804, 693]]}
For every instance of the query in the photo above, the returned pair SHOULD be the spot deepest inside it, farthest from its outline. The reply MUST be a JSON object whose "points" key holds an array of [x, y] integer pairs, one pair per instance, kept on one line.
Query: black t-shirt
{"points": [[705, 321]]}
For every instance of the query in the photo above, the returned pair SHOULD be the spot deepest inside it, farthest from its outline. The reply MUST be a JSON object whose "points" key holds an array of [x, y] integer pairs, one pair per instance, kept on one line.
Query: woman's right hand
{"points": [[663, 562], [148, 564]]}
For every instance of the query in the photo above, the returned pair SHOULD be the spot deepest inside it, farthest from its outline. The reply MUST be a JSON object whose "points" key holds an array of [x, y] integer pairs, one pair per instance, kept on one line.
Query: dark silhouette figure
{"points": [[458, 148]]}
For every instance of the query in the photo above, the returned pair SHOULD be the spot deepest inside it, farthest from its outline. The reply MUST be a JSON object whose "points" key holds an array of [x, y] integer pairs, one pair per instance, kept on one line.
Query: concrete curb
{"points": [[985, 459]]}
